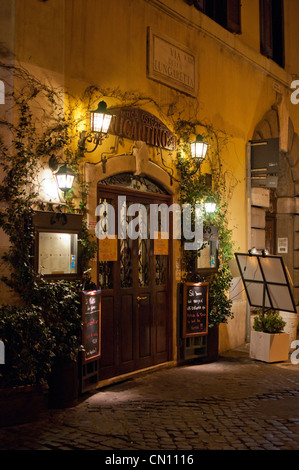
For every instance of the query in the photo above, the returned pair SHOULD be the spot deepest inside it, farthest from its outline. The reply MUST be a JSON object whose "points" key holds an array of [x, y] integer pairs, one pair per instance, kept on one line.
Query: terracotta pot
{"points": [[20, 405]]}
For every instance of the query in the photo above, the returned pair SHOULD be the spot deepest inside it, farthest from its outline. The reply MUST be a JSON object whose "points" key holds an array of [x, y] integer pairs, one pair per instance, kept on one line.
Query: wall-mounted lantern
{"points": [[253, 251], [199, 148], [64, 175], [100, 120], [210, 205]]}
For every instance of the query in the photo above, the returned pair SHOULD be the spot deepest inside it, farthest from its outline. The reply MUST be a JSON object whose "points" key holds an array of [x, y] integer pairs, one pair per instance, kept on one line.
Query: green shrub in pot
{"points": [[28, 347], [60, 306], [269, 322]]}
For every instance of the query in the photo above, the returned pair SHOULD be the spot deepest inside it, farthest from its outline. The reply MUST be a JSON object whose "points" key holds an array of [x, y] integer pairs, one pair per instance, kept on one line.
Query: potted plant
{"points": [[268, 343], [61, 311], [28, 353]]}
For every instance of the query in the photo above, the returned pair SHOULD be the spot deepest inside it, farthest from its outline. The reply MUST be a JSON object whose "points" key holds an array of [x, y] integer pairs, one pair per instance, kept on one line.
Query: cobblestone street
{"points": [[233, 404]]}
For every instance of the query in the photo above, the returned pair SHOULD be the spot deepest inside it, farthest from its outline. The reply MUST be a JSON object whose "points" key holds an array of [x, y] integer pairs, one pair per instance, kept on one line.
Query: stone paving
{"points": [[234, 404]]}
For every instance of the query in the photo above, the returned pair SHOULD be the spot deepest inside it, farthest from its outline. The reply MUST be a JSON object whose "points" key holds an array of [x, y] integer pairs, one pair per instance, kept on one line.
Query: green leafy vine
{"points": [[41, 128], [194, 189]]}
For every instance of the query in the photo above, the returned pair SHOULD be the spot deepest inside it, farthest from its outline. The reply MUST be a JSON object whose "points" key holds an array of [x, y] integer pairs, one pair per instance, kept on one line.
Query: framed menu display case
{"points": [[57, 248]]}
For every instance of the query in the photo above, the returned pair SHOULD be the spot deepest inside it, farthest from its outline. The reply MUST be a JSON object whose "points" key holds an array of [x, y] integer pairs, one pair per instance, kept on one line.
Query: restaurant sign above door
{"points": [[137, 124]]}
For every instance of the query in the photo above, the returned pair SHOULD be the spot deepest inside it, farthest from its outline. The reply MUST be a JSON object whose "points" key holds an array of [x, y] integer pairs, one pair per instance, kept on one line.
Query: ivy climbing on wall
{"points": [[194, 188]]}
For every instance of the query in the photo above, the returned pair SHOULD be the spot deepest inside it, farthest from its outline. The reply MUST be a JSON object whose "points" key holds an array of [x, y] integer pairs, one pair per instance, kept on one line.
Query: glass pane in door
{"points": [[125, 251], [144, 248], [105, 271]]}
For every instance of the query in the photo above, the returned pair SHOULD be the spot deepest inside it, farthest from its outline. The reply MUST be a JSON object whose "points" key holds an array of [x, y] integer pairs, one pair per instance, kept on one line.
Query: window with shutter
{"points": [[278, 31], [272, 30], [209, 9], [220, 15], [266, 27], [227, 13], [199, 4], [234, 16]]}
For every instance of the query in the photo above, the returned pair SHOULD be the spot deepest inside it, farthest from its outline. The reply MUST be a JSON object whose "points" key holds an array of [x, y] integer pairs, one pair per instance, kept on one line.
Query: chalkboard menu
{"points": [[195, 309], [91, 318]]}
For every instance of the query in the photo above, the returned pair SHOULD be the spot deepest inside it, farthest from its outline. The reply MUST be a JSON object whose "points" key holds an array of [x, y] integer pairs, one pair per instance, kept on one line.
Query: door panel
{"points": [[127, 328], [136, 320], [144, 322], [161, 313], [108, 339]]}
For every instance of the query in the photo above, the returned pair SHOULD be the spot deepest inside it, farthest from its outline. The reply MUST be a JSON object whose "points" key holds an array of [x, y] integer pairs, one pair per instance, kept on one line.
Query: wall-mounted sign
{"points": [[137, 124], [91, 320], [161, 244], [172, 64], [108, 249], [282, 245], [195, 309]]}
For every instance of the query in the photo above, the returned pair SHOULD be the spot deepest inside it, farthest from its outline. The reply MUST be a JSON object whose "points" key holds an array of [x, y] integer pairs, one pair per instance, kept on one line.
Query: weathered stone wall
{"points": [[286, 194]]}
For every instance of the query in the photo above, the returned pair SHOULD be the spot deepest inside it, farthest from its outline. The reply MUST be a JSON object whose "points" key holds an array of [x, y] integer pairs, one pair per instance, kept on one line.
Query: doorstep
{"points": [[134, 374]]}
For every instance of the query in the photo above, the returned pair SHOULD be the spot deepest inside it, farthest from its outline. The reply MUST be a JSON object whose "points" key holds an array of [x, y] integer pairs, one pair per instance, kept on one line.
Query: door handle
{"points": [[141, 298]]}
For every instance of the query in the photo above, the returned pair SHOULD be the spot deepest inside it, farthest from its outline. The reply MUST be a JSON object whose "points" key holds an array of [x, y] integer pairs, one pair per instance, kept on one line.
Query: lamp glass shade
{"points": [[210, 205], [65, 178], [199, 148], [100, 119]]}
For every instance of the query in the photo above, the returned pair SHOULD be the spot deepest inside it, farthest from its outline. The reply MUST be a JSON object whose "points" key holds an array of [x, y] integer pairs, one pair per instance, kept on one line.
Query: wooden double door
{"points": [[136, 309]]}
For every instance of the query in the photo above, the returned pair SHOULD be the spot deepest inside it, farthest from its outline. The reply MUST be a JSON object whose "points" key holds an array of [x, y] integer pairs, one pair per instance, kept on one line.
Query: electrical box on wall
{"points": [[57, 249], [264, 162]]}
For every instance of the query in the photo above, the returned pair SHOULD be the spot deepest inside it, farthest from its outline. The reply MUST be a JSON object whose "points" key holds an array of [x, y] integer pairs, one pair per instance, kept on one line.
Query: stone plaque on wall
{"points": [[172, 64]]}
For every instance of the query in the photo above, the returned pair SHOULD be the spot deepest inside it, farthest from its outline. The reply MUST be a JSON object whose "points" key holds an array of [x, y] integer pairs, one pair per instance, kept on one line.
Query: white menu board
{"points": [[57, 253]]}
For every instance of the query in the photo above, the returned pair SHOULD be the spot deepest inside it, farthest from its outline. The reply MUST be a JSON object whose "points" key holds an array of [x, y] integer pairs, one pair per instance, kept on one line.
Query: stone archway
{"points": [[285, 199], [115, 174], [269, 127], [138, 163]]}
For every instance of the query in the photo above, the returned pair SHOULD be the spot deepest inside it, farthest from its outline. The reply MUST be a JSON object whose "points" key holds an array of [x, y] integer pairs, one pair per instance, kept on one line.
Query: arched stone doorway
{"points": [[281, 223], [139, 307]]}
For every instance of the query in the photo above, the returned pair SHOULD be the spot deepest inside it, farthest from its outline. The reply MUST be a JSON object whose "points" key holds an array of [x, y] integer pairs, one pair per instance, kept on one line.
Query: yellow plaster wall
{"points": [[39, 32], [233, 93], [104, 44]]}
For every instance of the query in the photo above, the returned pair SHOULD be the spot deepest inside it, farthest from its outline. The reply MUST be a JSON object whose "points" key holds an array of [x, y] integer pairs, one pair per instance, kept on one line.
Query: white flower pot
{"points": [[268, 347], [291, 326]]}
